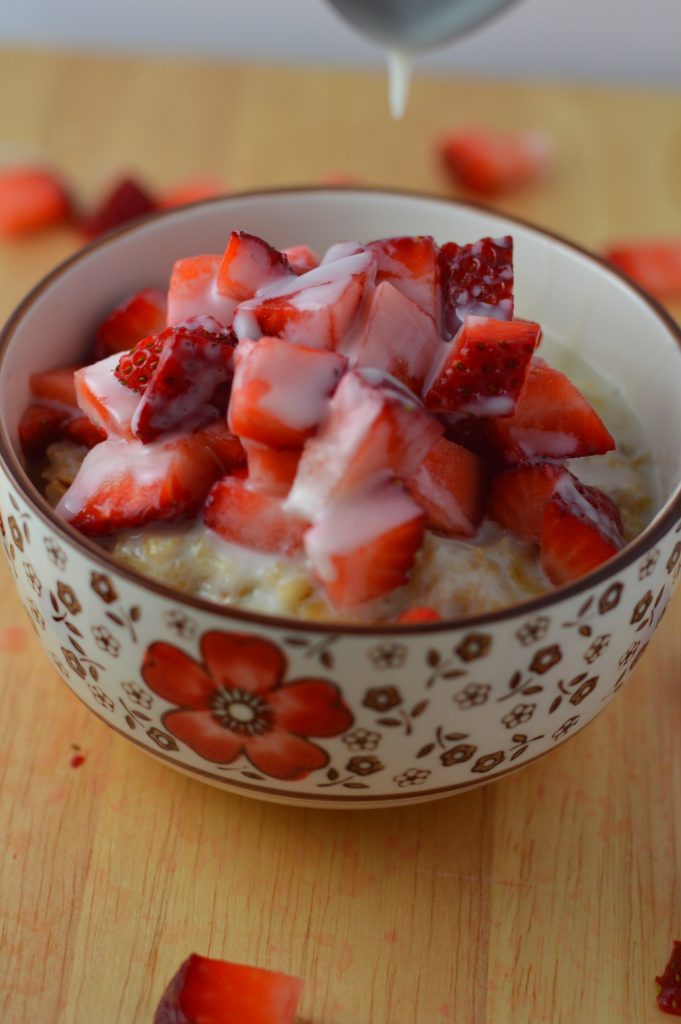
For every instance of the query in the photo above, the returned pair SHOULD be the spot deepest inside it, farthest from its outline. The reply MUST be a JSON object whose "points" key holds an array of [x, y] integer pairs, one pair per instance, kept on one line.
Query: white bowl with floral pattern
{"points": [[341, 716]]}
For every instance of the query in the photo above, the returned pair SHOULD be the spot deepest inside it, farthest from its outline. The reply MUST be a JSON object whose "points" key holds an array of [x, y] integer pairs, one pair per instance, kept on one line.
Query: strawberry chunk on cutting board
{"points": [[137, 317], [581, 528], [125, 484], [127, 200], [271, 470], [397, 336], [655, 265], [370, 433], [485, 367], [192, 190], [206, 991], [552, 420], [364, 547], [248, 264], [490, 162], [450, 486], [518, 497], [281, 390], [669, 996], [476, 280], [105, 401], [193, 291], [253, 519], [31, 199]]}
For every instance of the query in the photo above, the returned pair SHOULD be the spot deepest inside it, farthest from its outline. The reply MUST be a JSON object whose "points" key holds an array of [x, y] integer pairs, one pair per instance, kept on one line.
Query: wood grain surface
{"points": [[551, 897]]}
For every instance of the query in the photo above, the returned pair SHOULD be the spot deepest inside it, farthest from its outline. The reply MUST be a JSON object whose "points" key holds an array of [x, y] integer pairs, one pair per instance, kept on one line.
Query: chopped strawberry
{"points": [[369, 434], [398, 337], [139, 316], [193, 291], [31, 199], [301, 258], [39, 426], [222, 442], [189, 387], [364, 547], [552, 420], [103, 399], [476, 280], [270, 470], [669, 997], [253, 519], [518, 497], [55, 386], [81, 431], [135, 368], [450, 487], [316, 309], [581, 528], [339, 179], [471, 432], [410, 264], [126, 484], [281, 390], [412, 616], [126, 201], [248, 264], [218, 992], [655, 265], [193, 190], [490, 162], [485, 367]]}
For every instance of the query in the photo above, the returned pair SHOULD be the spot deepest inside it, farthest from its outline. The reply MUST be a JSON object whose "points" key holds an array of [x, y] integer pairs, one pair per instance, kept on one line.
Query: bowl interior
{"points": [[579, 301]]}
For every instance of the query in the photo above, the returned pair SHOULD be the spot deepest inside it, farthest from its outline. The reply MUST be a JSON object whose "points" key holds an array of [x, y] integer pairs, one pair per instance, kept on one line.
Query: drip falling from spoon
{"points": [[399, 78]]}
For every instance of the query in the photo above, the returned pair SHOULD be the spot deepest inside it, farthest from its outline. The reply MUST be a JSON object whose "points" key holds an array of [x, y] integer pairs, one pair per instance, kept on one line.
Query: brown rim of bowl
{"points": [[660, 525]]}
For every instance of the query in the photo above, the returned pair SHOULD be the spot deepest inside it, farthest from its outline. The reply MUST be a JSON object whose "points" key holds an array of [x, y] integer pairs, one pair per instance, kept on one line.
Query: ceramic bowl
{"points": [[357, 717]]}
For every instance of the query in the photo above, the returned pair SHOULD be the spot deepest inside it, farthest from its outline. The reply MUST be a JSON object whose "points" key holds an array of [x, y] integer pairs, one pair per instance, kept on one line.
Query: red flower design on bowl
{"points": [[235, 702]]}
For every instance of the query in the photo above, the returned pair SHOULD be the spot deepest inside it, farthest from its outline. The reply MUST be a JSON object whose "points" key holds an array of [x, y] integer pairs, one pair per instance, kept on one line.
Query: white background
{"points": [[620, 41]]}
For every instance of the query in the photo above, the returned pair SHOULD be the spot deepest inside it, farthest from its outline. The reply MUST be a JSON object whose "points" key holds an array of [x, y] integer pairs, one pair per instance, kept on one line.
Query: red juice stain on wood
{"points": [[77, 760], [669, 997]]}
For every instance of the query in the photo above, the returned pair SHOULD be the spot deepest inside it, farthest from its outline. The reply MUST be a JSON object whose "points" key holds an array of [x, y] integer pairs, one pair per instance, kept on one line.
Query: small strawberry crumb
{"points": [[669, 997], [77, 760]]}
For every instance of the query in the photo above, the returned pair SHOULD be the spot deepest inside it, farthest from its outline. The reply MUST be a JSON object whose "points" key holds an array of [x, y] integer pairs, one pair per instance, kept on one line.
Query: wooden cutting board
{"points": [[550, 897]]}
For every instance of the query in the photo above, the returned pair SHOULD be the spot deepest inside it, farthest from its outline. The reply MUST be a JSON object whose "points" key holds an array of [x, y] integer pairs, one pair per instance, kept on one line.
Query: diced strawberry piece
{"points": [[398, 337], [281, 391], [316, 309], [552, 420], [190, 386], [270, 470], [193, 291], [217, 992], [338, 179], [412, 616], [31, 199], [55, 386], [476, 280], [103, 399], [669, 997], [125, 484], [139, 316], [450, 486], [581, 528], [369, 434], [135, 369], [492, 162], [518, 497], [193, 190], [471, 432], [248, 264], [410, 264], [126, 201], [485, 367], [364, 547], [81, 431], [224, 445], [301, 258], [39, 426], [253, 519], [655, 265]]}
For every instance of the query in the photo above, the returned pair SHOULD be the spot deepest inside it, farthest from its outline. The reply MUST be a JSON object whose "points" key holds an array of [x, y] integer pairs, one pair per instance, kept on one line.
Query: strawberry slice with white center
{"points": [[485, 367], [410, 264], [370, 433], [450, 487], [316, 309], [248, 264], [476, 280], [581, 528], [271, 470], [398, 337], [189, 386], [281, 390], [364, 547], [126, 484], [104, 400], [552, 420], [518, 497], [139, 316], [193, 291], [252, 519], [301, 258]]}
